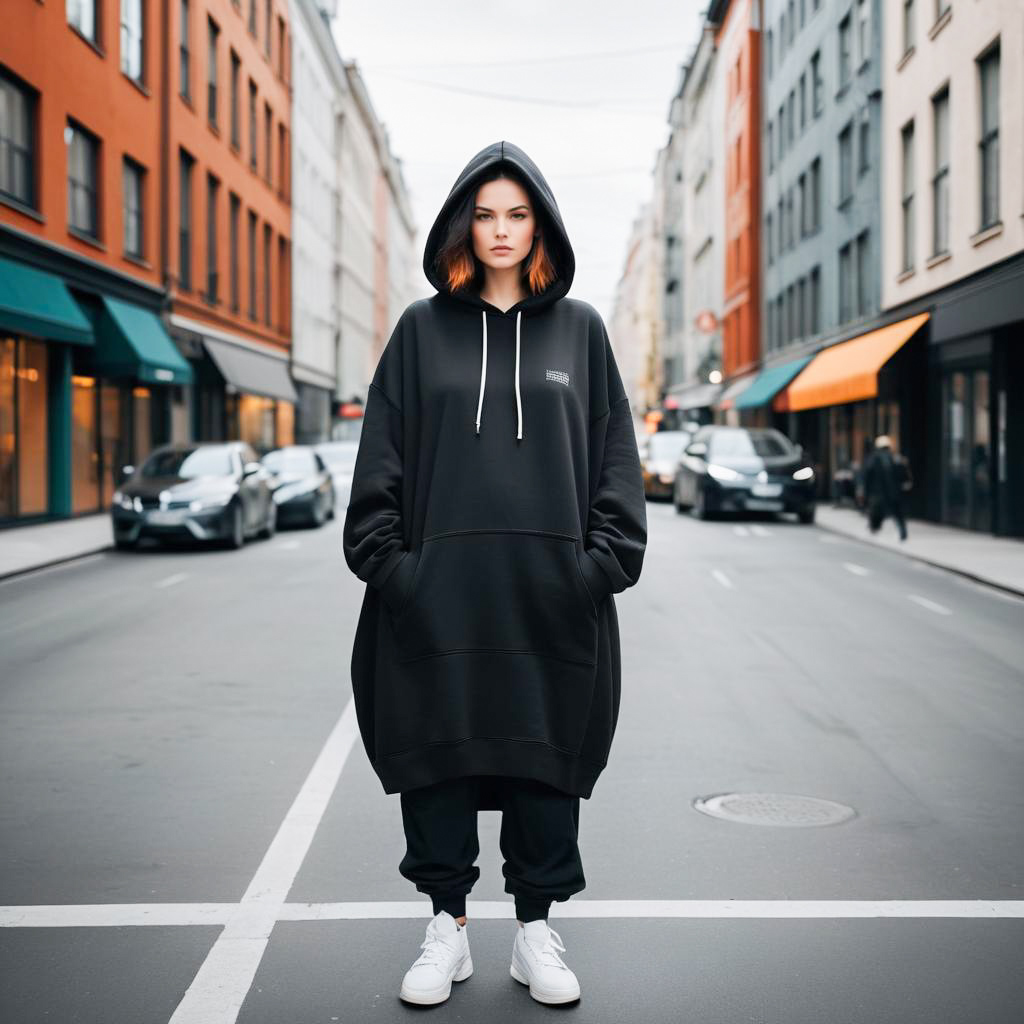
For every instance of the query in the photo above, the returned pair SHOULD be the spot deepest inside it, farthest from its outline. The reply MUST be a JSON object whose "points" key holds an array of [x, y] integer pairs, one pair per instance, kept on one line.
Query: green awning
{"points": [[769, 382], [132, 342], [35, 302]]}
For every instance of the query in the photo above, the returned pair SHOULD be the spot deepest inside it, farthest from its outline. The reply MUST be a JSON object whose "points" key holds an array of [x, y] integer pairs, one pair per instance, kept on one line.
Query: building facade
{"points": [[953, 246]]}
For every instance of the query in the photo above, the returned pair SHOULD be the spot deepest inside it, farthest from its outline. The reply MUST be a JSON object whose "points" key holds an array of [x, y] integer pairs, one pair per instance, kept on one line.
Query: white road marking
{"points": [[226, 975], [761, 531], [932, 606], [173, 581], [288, 545], [722, 578], [857, 570], [120, 915], [740, 531]]}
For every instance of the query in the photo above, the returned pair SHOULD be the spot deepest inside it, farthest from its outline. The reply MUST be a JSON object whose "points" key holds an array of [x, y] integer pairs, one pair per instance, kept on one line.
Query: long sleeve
{"points": [[616, 536], [373, 536]]}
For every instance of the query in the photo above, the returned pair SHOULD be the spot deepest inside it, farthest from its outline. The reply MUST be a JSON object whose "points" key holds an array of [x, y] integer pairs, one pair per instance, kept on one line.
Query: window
{"points": [[282, 287], [184, 58], [267, 293], [82, 15], [791, 23], [803, 101], [253, 141], [131, 202], [782, 131], [988, 145], [280, 47], [817, 86], [771, 146], [814, 302], [801, 188], [780, 217], [17, 141], [790, 232], [252, 17], [83, 179], [846, 163], [211, 87], [791, 115], [845, 53], [864, 142], [801, 303], [908, 25], [768, 52], [941, 6], [131, 38], [268, 138], [907, 136], [236, 127], [845, 284], [235, 211], [212, 192], [769, 239], [185, 164], [863, 31], [815, 199], [252, 266], [282, 156], [940, 174], [267, 27], [863, 273]]}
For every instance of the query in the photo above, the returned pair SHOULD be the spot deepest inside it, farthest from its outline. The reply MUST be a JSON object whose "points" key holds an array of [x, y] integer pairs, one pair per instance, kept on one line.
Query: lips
{"points": [[502, 248]]}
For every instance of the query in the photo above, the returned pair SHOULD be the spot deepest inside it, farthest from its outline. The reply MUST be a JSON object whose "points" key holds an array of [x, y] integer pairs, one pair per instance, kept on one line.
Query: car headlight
{"points": [[722, 472], [806, 473], [212, 501], [123, 500]]}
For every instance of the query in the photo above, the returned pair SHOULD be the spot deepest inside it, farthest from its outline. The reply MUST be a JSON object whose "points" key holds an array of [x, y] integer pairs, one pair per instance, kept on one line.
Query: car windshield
{"points": [[209, 460], [339, 456], [667, 444], [290, 460], [738, 444]]}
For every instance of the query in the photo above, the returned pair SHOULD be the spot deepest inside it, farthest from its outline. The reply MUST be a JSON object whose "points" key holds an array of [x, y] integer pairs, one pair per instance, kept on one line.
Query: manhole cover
{"points": [[786, 809]]}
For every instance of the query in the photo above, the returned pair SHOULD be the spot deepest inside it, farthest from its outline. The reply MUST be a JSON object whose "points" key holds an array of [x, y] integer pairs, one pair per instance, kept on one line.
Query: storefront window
{"points": [[285, 423], [33, 449], [142, 425], [256, 421], [112, 439], [8, 447], [85, 474]]}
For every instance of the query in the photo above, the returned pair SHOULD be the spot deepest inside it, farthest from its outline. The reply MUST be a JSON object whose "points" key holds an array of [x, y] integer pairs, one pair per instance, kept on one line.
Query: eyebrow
{"points": [[521, 206]]}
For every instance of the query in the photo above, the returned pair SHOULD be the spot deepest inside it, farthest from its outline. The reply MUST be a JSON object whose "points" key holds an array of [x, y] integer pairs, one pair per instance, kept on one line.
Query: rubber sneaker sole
{"points": [[550, 998], [429, 997]]}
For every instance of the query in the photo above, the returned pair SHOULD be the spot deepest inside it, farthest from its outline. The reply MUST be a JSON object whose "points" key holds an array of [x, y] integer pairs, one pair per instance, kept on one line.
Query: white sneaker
{"points": [[535, 962], [445, 958]]}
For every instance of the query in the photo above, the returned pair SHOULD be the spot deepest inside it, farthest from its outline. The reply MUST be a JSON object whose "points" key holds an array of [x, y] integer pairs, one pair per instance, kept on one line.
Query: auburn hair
{"points": [[458, 265]]}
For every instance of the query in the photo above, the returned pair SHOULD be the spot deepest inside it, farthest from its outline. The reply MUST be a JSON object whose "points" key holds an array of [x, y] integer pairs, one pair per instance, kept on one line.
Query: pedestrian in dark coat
{"points": [[886, 477], [497, 504]]}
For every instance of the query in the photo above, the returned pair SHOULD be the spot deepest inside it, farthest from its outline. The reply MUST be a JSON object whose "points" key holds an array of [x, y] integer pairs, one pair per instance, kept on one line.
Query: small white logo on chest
{"points": [[560, 375]]}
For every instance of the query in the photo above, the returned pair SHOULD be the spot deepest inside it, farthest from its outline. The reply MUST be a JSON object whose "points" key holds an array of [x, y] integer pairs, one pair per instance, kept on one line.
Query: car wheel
{"points": [[236, 538], [319, 516], [676, 500], [270, 526], [700, 509], [806, 514]]}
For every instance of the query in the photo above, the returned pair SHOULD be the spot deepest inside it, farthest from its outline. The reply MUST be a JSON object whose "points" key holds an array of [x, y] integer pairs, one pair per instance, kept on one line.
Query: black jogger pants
{"points": [[539, 832]]}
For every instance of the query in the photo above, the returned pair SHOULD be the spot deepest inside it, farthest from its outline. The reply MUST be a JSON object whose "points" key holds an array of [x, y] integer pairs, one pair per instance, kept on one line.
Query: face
{"points": [[503, 224]]}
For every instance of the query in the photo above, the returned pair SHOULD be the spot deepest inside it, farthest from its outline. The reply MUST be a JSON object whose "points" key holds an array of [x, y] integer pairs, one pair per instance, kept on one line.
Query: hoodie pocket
{"points": [[507, 591]]}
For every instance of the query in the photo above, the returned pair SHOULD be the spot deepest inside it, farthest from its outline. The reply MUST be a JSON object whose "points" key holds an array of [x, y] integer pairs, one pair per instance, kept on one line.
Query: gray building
{"points": [[821, 175]]}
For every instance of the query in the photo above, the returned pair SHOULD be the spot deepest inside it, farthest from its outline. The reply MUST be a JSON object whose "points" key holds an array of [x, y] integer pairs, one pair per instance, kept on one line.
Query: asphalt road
{"points": [[190, 831]]}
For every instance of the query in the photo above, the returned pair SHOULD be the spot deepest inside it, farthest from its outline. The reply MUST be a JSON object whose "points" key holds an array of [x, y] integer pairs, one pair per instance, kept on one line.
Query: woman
{"points": [[497, 503]]}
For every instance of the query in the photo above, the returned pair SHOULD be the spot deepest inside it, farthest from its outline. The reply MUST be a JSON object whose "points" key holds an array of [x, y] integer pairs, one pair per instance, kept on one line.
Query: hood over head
{"points": [[495, 155]]}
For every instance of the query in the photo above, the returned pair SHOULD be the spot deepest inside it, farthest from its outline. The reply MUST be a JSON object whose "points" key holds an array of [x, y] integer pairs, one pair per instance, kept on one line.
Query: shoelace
{"points": [[432, 954], [552, 943]]}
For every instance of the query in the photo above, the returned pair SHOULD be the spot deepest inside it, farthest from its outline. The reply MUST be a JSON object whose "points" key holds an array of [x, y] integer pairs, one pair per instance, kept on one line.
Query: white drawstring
{"points": [[483, 371], [519, 403], [483, 374]]}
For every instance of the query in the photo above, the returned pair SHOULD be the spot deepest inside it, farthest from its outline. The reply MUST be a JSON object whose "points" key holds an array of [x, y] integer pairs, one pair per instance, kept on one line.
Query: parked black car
{"points": [[659, 457], [201, 492], [744, 469], [340, 459], [303, 488]]}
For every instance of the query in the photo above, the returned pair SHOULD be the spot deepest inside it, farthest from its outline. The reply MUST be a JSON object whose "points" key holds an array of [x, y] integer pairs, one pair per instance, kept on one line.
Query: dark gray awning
{"points": [[696, 396], [250, 371]]}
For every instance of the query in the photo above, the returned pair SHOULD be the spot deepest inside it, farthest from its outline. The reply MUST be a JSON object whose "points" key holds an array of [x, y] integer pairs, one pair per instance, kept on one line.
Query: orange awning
{"points": [[847, 372]]}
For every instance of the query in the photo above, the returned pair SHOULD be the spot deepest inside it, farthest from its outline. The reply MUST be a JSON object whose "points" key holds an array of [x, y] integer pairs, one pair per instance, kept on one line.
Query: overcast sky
{"points": [[583, 86]]}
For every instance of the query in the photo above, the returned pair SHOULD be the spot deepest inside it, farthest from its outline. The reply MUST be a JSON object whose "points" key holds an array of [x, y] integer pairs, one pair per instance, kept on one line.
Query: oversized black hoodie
{"points": [[497, 504]]}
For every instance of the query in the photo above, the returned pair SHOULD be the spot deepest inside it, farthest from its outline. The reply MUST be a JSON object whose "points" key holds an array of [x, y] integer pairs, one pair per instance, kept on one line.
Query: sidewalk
{"points": [[998, 561], [31, 547]]}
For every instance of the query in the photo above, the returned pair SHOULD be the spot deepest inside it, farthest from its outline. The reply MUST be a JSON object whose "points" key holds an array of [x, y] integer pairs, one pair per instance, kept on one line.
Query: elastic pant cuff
{"points": [[532, 910], [455, 905]]}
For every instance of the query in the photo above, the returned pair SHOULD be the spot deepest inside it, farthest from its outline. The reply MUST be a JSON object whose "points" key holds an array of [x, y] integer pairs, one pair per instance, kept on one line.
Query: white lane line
{"points": [[722, 578], [226, 975], [857, 570], [932, 606], [740, 531], [120, 915], [288, 545], [761, 531], [172, 581]]}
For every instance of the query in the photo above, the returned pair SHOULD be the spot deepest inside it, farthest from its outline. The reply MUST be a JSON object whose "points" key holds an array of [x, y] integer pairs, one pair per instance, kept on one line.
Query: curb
{"points": [[15, 573], [973, 577]]}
